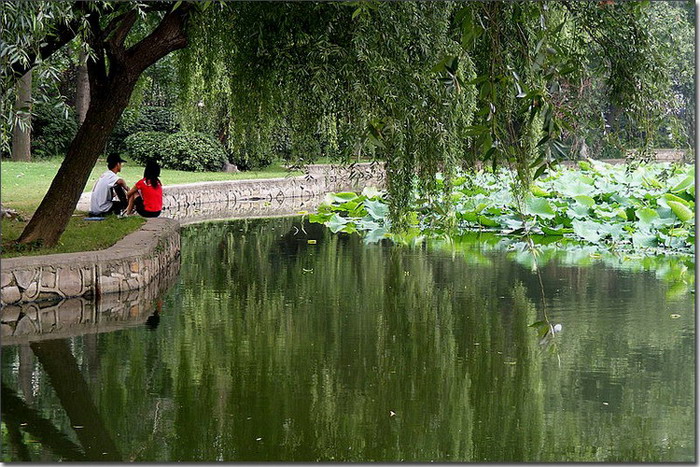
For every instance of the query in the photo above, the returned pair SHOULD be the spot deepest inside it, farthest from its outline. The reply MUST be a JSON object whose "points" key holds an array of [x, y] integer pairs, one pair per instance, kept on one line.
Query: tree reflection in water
{"points": [[272, 348]]}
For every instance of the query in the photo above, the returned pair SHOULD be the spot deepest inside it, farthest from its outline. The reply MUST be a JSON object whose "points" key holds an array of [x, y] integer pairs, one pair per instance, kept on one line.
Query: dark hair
{"points": [[151, 173], [113, 160]]}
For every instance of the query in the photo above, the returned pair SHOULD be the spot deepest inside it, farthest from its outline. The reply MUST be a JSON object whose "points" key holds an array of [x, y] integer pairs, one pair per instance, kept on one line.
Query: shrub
{"points": [[52, 130], [151, 119], [145, 145], [185, 150], [192, 151]]}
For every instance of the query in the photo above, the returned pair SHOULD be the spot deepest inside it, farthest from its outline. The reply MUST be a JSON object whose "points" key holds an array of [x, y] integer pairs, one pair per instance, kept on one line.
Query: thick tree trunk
{"points": [[82, 93], [21, 134], [54, 212]]}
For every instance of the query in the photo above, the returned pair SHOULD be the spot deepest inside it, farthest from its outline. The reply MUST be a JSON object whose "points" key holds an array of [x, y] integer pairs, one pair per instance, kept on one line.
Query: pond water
{"points": [[269, 347]]}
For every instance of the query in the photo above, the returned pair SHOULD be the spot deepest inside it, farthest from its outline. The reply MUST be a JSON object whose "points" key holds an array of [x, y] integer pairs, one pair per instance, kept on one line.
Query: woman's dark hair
{"points": [[151, 173]]}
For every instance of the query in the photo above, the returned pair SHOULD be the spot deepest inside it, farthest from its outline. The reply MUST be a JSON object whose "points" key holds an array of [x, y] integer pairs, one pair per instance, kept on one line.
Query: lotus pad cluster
{"points": [[645, 208]]}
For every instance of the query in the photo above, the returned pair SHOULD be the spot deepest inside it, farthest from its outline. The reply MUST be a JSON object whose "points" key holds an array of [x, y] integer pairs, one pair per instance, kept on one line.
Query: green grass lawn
{"points": [[80, 235], [24, 184]]}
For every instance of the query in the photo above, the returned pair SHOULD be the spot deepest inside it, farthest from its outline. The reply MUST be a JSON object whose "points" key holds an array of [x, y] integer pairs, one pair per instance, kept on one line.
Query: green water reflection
{"points": [[272, 348]]}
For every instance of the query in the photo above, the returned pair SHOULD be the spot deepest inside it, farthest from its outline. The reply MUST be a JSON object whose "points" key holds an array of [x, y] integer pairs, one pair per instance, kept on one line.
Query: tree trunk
{"points": [[15, 410], [82, 93], [51, 218], [21, 134]]}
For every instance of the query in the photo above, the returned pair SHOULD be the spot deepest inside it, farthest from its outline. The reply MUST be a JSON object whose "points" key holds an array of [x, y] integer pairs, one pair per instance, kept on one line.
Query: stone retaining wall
{"points": [[36, 321], [130, 264], [318, 180]]}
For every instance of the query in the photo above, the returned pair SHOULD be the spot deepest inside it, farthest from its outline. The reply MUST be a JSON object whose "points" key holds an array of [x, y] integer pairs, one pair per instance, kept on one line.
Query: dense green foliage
{"points": [[143, 146], [183, 150], [330, 75], [522, 84], [192, 151], [426, 87], [140, 119], [23, 29], [52, 130], [649, 208]]}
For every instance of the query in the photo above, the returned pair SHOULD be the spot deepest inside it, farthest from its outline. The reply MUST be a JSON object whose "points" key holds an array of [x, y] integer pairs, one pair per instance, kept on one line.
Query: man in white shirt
{"points": [[108, 186]]}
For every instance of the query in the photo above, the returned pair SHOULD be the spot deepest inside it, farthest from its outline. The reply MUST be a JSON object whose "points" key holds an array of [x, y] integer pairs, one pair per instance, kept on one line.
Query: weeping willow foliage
{"points": [[425, 87], [329, 79]]}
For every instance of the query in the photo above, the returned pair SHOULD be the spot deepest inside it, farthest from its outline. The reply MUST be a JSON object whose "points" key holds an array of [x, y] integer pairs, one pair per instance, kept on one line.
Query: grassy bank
{"points": [[80, 235], [24, 184]]}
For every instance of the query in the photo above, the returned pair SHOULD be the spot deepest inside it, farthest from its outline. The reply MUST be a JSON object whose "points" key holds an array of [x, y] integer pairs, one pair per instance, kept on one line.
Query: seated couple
{"points": [[146, 196]]}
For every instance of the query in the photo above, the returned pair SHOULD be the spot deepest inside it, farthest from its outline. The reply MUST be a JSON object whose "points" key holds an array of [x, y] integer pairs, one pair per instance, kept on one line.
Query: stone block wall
{"points": [[29, 322], [318, 180], [130, 264]]}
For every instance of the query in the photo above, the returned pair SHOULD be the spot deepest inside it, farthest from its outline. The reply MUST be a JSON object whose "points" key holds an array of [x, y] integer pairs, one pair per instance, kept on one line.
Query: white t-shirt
{"points": [[101, 198]]}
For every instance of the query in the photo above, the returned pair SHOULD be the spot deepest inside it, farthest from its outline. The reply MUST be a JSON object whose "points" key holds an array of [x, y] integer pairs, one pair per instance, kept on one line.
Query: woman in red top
{"points": [[147, 193]]}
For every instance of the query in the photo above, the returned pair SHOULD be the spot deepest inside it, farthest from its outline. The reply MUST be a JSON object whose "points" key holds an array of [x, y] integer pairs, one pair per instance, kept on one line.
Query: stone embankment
{"points": [[60, 319], [130, 264], [194, 202], [66, 294]]}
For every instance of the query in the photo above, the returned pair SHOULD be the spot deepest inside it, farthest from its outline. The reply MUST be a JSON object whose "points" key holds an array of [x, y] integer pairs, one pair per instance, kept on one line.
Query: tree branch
{"points": [[122, 30], [96, 64], [114, 46], [168, 36], [109, 29]]}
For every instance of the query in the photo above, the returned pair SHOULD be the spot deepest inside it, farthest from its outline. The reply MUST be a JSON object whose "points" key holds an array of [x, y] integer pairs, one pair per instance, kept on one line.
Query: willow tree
{"points": [[422, 86], [358, 79]]}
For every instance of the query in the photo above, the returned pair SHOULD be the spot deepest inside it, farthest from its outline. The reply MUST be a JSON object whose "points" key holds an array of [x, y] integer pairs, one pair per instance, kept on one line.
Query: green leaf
{"points": [[539, 191], [377, 209], [319, 218], [341, 197], [539, 207], [588, 230], [540, 171], [646, 215], [336, 223], [669, 197], [585, 200], [684, 184], [681, 211], [644, 240], [549, 231], [487, 222]]}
